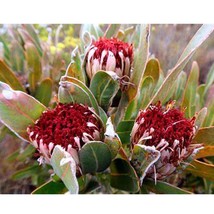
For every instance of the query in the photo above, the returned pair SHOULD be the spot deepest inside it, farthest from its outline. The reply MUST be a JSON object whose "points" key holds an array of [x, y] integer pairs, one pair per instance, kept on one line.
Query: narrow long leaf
{"points": [[140, 60], [51, 187], [205, 136], [28, 152], [95, 30], [7, 76], [26, 172], [141, 99], [17, 57], [180, 86], [163, 188], [34, 65], [200, 117], [189, 98], [111, 30], [200, 94], [209, 120], [153, 69], [74, 69], [44, 91], [205, 152], [6, 49], [34, 37], [201, 35], [201, 169], [210, 79]]}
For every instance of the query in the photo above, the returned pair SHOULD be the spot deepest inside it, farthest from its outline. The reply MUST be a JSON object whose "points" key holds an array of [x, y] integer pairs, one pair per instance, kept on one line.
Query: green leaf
{"points": [[44, 91], [140, 60], [26, 153], [169, 96], [4, 131], [103, 115], [124, 130], [94, 156], [82, 181], [58, 67], [179, 86], [124, 35], [200, 93], [74, 69], [111, 30], [200, 117], [72, 93], [89, 186], [207, 151], [65, 167], [163, 188], [123, 176], [6, 49], [12, 157], [201, 35], [95, 30], [51, 187], [209, 120], [33, 37], [143, 157], [141, 99], [87, 40], [18, 110], [26, 172], [112, 139], [189, 98], [34, 65], [119, 115], [104, 88], [208, 186], [70, 90], [205, 136], [201, 169], [209, 80], [153, 69], [7, 76], [17, 57]]}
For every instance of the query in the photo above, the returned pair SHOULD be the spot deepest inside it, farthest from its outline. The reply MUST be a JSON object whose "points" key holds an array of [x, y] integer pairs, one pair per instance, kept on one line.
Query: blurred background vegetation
{"points": [[40, 53]]}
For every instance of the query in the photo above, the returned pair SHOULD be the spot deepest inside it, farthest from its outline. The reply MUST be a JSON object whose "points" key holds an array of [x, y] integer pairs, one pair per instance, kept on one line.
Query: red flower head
{"points": [[169, 132], [67, 125], [109, 55]]}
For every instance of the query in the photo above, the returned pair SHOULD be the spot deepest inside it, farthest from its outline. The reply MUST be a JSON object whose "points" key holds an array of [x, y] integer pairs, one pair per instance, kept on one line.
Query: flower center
{"points": [[165, 129], [67, 124], [115, 46]]}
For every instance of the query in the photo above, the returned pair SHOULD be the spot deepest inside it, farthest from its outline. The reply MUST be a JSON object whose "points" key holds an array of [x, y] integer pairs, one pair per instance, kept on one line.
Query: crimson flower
{"points": [[109, 55], [67, 125], [170, 133]]}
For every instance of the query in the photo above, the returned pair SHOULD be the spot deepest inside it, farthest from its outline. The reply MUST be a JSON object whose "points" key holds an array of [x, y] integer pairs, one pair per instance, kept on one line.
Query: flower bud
{"points": [[169, 132], [67, 125], [109, 55]]}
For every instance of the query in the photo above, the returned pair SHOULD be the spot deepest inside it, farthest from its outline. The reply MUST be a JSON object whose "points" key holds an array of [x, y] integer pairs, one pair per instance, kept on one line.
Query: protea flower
{"points": [[109, 55], [67, 125], [169, 132]]}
